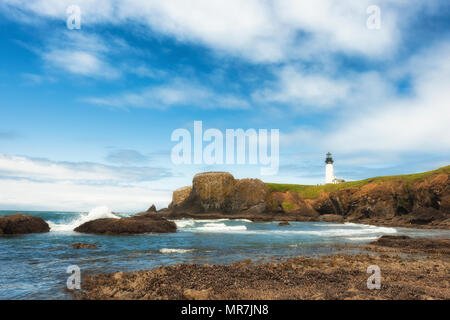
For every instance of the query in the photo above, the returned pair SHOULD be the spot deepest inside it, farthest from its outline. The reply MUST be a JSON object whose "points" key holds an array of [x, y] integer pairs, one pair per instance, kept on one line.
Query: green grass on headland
{"points": [[311, 192]]}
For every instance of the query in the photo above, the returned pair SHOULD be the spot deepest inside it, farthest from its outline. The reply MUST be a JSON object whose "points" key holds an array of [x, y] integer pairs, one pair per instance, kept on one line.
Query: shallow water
{"points": [[34, 266]]}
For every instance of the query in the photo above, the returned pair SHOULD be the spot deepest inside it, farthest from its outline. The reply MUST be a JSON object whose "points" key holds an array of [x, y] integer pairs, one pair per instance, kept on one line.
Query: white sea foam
{"points": [[218, 227], [96, 213], [184, 223], [362, 238], [333, 232], [173, 250], [210, 225]]}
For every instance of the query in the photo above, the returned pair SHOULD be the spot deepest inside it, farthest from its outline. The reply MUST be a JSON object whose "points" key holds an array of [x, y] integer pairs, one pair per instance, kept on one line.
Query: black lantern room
{"points": [[329, 159]]}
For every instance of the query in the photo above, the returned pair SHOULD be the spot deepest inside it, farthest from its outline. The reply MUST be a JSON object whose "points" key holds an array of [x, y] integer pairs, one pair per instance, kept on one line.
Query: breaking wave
{"points": [[172, 250], [96, 213]]}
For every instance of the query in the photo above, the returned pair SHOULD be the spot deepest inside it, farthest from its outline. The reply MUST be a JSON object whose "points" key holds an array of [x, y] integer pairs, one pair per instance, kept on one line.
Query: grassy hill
{"points": [[311, 191]]}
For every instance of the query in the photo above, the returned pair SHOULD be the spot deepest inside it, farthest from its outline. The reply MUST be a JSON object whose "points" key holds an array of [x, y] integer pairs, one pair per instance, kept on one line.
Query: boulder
{"points": [[152, 208], [80, 245], [284, 224], [22, 224], [132, 225]]}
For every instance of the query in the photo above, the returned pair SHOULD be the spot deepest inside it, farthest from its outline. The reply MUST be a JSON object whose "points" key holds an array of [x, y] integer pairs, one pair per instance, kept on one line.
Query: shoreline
{"points": [[335, 276]]}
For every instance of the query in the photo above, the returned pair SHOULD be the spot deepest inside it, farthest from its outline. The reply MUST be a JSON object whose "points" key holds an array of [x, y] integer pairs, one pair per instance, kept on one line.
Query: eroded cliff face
{"points": [[219, 192], [423, 202], [397, 202]]}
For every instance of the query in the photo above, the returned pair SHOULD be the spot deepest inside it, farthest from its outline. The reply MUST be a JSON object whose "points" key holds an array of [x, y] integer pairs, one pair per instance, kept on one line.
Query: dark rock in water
{"points": [[80, 245], [284, 223], [331, 218], [152, 208], [132, 225], [22, 224]]}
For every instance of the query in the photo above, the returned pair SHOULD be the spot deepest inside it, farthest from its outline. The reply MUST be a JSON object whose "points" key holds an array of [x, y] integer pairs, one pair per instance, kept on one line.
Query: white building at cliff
{"points": [[329, 171]]}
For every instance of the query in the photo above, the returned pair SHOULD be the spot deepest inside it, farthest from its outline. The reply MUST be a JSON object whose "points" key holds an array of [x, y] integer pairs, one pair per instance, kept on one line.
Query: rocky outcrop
{"points": [[132, 225], [179, 195], [213, 191], [292, 204], [397, 202], [420, 202], [219, 192], [22, 224]]}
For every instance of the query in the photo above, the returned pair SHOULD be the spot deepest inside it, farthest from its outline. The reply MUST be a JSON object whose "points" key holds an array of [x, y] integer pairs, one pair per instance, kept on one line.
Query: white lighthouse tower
{"points": [[329, 170]]}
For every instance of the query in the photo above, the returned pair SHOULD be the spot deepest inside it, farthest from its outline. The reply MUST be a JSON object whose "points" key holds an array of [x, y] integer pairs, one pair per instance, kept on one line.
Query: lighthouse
{"points": [[329, 170]]}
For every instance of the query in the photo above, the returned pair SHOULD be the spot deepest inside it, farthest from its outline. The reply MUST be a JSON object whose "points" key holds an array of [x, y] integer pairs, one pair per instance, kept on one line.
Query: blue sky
{"points": [[87, 115]]}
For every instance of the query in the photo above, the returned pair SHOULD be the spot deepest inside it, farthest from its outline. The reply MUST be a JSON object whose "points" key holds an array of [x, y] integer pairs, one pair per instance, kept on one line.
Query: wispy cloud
{"points": [[52, 185], [9, 135], [317, 90], [85, 173], [126, 157], [178, 93], [80, 54], [415, 123]]}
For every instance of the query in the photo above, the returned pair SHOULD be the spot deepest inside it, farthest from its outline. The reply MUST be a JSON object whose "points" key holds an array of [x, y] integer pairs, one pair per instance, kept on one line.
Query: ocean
{"points": [[35, 266]]}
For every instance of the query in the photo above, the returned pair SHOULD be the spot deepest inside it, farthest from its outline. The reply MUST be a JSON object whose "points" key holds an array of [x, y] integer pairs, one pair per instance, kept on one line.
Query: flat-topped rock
{"points": [[213, 190], [22, 224], [132, 225]]}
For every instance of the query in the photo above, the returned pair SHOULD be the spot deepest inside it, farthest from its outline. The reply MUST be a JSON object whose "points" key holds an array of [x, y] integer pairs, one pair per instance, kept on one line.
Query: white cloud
{"points": [[80, 63], [415, 123], [294, 86], [27, 183], [80, 54], [179, 92], [68, 196], [258, 30], [18, 167], [304, 90], [419, 122]]}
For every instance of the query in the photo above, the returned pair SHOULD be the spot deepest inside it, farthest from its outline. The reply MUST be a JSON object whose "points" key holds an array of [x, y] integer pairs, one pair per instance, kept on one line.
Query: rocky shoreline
{"points": [[410, 270]]}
